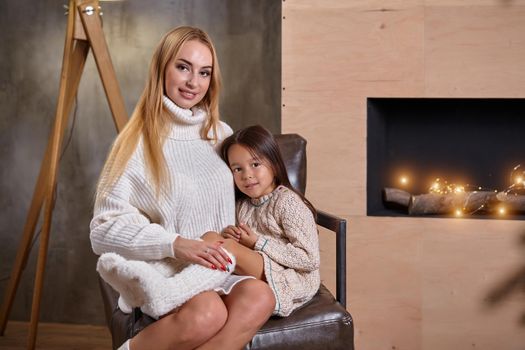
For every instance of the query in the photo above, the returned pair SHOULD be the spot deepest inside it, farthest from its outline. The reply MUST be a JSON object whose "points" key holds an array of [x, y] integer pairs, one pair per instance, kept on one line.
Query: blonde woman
{"points": [[163, 186]]}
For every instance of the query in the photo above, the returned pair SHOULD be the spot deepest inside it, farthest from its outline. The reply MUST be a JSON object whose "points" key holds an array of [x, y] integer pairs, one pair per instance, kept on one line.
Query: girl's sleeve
{"points": [[121, 227], [298, 224]]}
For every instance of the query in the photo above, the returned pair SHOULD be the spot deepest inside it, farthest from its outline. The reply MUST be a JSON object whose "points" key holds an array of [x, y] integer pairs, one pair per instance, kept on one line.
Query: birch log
{"points": [[512, 202], [397, 196], [433, 203]]}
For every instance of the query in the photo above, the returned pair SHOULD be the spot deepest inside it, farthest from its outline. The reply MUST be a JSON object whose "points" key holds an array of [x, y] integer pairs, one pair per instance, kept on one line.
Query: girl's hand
{"points": [[209, 255], [248, 238], [232, 232]]}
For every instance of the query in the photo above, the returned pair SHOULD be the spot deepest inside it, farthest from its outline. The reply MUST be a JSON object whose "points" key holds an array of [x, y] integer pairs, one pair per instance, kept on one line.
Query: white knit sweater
{"points": [[134, 223]]}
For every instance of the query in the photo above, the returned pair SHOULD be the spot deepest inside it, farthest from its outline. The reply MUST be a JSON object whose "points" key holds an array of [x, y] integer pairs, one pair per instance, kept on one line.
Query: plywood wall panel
{"points": [[475, 51], [434, 282], [412, 283], [331, 161], [330, 52], [463, 267], [477, 3], [384, 293], [347, 53]]}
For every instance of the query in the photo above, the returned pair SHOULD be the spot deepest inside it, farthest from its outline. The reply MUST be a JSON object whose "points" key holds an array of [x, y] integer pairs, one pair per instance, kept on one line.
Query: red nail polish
{"points": [[230, 260], [214, 267], [223, 268]]}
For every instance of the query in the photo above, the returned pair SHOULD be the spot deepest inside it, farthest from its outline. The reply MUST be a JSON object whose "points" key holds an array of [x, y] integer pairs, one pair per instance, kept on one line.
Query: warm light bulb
{"points": [[518, 180], [458, 212], [435, 186], [403, 180], [502, 211], [459, 189]]}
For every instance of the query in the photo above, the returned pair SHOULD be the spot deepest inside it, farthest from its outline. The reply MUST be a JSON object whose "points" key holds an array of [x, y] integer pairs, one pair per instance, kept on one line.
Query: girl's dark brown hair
{"points": [[261, 143]]}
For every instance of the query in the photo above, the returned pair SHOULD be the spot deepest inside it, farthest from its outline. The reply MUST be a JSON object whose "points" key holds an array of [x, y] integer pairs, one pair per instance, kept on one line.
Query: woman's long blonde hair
{"points": [[150, 119]]}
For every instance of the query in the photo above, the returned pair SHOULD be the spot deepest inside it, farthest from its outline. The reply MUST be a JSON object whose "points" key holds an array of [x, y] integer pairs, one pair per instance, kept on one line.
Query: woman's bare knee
{"points": [[203, 318], [264, 304], [257, 300], [191, 325]]}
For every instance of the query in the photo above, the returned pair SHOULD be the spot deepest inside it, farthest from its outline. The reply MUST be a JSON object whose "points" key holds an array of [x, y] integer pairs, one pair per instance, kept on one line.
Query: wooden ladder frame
{"points": [[84, 31]]}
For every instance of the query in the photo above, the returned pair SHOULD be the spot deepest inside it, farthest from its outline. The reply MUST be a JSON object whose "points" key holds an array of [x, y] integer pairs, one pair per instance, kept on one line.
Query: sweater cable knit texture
{"points": [[289, 243]]}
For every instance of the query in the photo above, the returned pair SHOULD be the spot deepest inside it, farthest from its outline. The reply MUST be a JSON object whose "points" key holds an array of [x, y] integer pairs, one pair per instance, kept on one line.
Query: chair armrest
{"points": [[337, 225]]}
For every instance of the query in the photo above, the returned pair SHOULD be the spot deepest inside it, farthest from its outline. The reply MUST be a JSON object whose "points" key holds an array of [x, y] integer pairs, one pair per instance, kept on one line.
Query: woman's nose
{"points": [[192, 80]]}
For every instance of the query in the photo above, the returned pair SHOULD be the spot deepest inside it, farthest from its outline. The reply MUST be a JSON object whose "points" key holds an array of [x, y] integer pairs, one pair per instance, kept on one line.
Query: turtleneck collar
{"points": [[187, 123], [257, 202]]}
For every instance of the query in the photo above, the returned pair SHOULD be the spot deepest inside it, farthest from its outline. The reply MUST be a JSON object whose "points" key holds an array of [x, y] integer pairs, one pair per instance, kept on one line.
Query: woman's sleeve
{"points": [[121, 227], [302, 251]]}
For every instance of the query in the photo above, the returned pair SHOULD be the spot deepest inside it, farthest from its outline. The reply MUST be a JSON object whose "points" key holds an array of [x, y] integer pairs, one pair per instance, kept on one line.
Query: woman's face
{"points": [[188, 76]]}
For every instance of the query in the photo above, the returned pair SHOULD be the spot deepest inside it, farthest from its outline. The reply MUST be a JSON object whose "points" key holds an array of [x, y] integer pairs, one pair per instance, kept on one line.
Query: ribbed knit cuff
{"points": [[167, 246], [260, 244]]}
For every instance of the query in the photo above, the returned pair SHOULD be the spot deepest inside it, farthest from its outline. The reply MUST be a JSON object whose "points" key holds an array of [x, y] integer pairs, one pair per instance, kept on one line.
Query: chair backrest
{"points": [[293, 150]]}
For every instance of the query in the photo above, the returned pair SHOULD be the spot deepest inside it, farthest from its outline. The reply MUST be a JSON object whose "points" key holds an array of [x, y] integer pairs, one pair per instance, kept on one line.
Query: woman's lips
{"points": [[187, 95]]}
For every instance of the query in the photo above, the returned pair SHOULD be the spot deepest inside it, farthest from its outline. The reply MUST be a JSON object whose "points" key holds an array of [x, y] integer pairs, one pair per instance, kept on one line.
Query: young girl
{"points": [[276, 239]]}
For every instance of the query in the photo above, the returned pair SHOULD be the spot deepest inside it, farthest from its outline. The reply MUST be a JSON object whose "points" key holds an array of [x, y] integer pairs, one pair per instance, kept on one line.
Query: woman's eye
{"points": [[205, 73], [182, 67]]}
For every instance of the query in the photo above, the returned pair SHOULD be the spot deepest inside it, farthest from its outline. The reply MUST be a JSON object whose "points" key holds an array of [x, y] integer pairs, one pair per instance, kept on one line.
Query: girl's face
{"points": [[253, 176], [188, 76]]}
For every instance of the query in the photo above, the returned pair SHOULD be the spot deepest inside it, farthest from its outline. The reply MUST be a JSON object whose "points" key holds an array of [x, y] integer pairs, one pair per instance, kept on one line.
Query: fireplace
{"points": [[469, 143]]}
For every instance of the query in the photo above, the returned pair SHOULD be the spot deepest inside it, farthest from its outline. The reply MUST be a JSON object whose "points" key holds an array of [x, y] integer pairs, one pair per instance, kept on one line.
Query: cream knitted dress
{"points": [[132, 222], [288, 241]]}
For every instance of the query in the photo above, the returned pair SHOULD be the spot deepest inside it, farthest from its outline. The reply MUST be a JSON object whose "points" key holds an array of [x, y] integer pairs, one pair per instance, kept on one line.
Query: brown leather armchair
{"points": [[321, 324]]}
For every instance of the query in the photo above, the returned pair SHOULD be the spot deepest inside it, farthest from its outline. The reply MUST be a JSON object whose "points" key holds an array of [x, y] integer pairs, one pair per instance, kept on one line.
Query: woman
{"points": [[164, 185]]}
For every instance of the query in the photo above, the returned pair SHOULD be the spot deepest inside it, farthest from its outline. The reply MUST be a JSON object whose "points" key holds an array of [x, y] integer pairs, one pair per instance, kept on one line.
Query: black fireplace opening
{"points": [[470, 142]]}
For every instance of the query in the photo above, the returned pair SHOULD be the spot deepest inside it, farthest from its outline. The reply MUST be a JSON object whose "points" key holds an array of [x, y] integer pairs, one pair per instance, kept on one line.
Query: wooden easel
{"points": [[84, 30]]}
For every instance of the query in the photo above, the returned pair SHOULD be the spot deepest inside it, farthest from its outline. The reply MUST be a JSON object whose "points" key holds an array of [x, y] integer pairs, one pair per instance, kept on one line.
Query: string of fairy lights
{"points": [[442, 187]]}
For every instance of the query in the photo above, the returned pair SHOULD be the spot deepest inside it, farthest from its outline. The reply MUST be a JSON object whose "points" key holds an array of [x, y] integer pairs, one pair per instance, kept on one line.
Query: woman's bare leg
{"points": [[249, 262], [250, 304], [193, 324]]}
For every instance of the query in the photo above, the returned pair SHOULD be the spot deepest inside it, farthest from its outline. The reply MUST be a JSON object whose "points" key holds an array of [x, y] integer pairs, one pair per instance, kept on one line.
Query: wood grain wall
{"points": [[412, 283]]}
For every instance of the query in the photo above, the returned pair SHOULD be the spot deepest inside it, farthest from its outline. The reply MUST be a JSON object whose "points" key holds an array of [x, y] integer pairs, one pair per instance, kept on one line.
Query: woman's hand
{"points": [[247, 237], [210, 255]]}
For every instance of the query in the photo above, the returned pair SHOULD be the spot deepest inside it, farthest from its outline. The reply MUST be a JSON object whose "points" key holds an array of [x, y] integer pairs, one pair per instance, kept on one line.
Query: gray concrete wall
{"points": [[247, 34]]}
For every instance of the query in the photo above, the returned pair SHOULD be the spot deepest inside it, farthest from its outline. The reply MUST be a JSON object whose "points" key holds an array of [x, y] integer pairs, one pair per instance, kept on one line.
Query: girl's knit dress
{"points": [[140, 227], [288, 241]]}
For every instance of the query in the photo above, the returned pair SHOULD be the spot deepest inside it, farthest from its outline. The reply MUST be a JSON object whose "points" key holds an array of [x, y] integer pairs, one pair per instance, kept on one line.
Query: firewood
{"points": [[512, 202], [396, 195], [433, 203]]}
